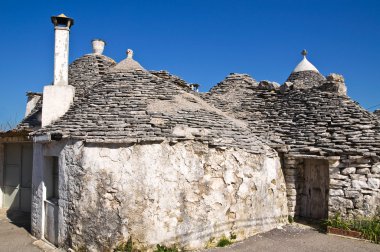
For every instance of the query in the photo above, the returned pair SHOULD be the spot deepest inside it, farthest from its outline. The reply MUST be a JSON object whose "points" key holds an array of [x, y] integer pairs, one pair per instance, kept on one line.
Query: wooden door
{"points": [[18, 166], [316, 189]]}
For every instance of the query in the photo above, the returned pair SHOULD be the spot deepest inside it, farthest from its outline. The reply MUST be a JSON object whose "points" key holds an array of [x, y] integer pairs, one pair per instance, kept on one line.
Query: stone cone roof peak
{"points": [[128, 64], [305, 65]]}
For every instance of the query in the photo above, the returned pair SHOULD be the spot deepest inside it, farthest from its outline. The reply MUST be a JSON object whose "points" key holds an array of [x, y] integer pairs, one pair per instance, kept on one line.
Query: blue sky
{"points": [[201, 41]]}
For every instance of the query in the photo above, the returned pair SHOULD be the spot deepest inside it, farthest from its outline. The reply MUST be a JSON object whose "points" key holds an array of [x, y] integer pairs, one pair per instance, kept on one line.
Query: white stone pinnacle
{"points": [[129, 54], [305, 65]]}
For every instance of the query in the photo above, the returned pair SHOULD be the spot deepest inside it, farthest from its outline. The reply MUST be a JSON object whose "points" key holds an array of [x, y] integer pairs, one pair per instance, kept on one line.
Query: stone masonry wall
{"points": [[161, 193], [354, 188]]}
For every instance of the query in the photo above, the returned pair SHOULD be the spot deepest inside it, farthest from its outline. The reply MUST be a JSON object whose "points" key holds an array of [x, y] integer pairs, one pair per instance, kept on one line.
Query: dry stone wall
{"points": [[182, 194], [355, 186]]}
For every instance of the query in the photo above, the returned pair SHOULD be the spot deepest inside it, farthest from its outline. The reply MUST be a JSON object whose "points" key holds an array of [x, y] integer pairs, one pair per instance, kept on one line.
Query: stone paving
{"points": [[14, 235], [299, 238]]}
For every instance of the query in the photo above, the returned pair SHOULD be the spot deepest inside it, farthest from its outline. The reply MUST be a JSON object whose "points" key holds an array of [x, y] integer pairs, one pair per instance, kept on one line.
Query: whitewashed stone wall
{"points": [[182, 194], [40, 152]]}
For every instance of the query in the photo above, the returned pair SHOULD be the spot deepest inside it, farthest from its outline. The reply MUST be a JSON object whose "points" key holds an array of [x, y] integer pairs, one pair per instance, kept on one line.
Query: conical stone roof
{"points": [[128, 64], [305, 74], [137, 106], [309, 121], [87, 70]]}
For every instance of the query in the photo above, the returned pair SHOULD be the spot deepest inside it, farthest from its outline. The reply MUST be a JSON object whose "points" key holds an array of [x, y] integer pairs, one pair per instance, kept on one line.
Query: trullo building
{"points": [[112, 151]]}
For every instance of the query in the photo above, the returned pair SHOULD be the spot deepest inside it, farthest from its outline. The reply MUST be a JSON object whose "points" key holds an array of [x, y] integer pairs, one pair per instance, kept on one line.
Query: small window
{"points": [[52, 178]]}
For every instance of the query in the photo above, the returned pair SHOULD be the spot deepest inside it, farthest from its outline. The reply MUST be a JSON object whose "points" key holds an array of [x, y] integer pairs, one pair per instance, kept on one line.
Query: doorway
{"points": [[51, 206], [18, 165], [315, 189]]}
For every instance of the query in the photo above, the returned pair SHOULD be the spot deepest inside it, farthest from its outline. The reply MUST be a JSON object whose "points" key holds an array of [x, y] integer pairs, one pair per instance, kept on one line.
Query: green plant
{"points": [[211, 243], [125, 246], [338, 222], [290, 219], [233, 236], [82, 249], [166, 249], [369, 227], [224, 241]]}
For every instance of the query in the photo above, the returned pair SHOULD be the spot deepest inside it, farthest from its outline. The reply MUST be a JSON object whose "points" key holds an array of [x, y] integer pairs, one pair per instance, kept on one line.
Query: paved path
{"points": [[299, 238], [14, 237]]}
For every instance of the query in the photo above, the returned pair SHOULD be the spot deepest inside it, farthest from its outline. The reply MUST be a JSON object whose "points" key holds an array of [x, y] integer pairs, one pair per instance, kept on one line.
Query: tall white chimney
{"points": [[58, 98], [62, 26]]}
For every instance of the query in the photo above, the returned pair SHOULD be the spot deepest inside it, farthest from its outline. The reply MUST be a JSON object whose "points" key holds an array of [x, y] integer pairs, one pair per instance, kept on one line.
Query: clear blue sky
{"points": [[201, 41]]}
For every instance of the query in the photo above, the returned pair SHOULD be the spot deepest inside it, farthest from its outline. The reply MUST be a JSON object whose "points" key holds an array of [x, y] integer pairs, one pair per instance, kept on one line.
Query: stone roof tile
{"points": [[138, 106], [309, 121]]}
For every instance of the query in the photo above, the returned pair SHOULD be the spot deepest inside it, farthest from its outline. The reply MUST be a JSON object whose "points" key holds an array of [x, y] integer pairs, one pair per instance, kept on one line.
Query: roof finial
{"points": [[304, 52], [129, 54]]}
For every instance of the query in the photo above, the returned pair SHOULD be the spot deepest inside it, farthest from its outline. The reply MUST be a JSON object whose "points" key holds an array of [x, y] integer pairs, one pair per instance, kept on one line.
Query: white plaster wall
{"points": [[61, 56], [57, 100], [40, 163], [31, 104], [181, 194], [37, 191]]}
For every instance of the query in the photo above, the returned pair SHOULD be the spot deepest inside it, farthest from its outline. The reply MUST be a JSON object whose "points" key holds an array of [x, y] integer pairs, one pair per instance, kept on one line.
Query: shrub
{"points": [[166, 249], [369, 227], [125, 246], [224, 241]]}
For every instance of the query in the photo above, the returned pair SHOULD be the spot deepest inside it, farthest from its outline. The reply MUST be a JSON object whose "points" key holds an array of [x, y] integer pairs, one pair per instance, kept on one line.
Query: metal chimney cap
{"points": [[62, 20]]}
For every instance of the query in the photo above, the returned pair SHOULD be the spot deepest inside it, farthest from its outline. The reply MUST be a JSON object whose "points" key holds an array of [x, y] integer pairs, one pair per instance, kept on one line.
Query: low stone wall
{"points": [[182, 194]]}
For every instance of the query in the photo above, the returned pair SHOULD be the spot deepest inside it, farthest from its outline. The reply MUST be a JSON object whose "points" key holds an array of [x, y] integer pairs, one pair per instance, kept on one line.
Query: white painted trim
{"points": [[42, 138]]}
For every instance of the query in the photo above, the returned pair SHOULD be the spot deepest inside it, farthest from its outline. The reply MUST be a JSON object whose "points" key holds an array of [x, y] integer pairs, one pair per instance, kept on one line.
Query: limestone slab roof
{"points": [[306, 79], [309, 121], [137, 106], [83, 73]]}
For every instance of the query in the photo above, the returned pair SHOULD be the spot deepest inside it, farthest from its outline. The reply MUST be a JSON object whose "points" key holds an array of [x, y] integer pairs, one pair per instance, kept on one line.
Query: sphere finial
{"points": [[304, 52], [129, 53]]}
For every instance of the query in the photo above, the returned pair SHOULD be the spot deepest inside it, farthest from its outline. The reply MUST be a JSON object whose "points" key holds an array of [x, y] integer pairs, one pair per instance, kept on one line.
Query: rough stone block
{"points": [[338, 202], [334, 183], [359, 184], [336, 192], [348, 170], [351, 194], [375, 168], [363, 171], [374, 183]]}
